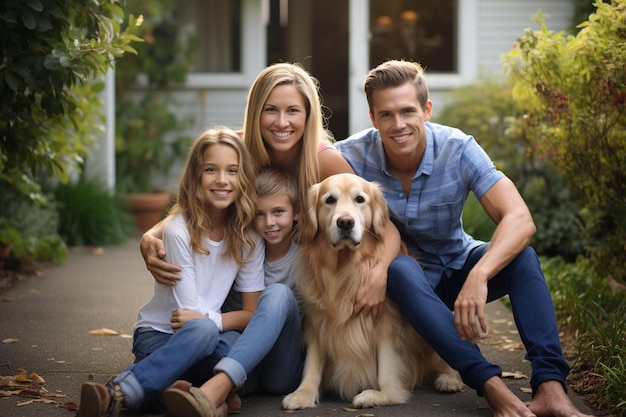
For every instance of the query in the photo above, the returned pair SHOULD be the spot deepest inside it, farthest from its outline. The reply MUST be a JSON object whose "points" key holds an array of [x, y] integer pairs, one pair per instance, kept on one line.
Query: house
{"points": [[338, 41]]}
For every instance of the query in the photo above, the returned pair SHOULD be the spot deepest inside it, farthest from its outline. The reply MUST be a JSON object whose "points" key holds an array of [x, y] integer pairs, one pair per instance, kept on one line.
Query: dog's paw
{"points": [[300, 399], [449, 382], [373, 398]]}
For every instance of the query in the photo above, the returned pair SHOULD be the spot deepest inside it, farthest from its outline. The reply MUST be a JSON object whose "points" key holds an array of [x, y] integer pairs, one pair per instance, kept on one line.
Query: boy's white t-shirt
{"points": [[205, 279]]}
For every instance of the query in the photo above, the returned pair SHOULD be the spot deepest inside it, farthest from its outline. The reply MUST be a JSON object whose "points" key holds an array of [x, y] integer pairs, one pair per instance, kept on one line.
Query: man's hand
{"points": [[153, 253], [370, 297], [469, 309], [180, 317]]}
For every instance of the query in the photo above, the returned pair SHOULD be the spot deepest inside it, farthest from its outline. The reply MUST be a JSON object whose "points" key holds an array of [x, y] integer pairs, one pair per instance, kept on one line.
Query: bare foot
{"points": [[503, 402], [552, 401]]}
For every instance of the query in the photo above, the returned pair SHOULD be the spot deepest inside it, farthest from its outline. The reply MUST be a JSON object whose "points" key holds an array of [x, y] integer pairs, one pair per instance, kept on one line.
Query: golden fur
{"points": [[370, 365]]}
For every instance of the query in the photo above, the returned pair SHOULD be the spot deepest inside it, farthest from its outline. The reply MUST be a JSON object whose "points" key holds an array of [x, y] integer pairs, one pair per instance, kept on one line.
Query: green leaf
{"points": [[28, 19], [35, 5]]}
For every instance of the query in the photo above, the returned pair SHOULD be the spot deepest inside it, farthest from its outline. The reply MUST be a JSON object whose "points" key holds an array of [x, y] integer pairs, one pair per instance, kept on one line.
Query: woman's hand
{"points": [[153, 253]]}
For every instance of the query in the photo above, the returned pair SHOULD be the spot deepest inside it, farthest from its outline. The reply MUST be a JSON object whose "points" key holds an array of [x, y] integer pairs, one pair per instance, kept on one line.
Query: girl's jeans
{"points": [[429, 310], [271, 340]]}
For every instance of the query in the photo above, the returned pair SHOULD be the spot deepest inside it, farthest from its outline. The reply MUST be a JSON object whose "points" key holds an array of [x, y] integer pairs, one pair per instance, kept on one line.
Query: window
{"points": [[424, 31], [215, 27]]}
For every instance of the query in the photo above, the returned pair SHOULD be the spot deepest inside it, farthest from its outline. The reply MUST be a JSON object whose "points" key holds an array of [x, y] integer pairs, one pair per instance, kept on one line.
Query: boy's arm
{"points": [[239, 319]]}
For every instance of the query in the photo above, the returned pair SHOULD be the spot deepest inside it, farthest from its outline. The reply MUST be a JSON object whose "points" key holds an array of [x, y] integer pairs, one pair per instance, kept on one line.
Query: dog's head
{"points": [[346, 209]]}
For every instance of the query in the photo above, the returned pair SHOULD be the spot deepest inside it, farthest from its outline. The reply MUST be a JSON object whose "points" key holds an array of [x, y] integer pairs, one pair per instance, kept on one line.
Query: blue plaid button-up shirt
{"points": [[429, 218]]}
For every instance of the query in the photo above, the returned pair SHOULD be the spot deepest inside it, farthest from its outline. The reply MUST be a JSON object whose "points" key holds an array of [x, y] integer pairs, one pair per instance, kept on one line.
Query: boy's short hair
{"points": [[274, 180]]}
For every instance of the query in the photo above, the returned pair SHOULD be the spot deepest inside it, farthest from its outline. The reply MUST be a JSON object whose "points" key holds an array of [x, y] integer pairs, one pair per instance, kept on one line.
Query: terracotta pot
{"points": [[148, 208]]}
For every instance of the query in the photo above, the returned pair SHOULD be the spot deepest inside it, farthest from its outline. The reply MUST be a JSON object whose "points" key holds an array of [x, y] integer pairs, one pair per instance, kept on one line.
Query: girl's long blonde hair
{"points": [[191, 202], [315, 132]]}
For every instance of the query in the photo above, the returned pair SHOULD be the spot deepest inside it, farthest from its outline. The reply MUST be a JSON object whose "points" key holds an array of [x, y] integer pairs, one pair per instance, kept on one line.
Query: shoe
{"points": [[98, 400], [183, 400]]}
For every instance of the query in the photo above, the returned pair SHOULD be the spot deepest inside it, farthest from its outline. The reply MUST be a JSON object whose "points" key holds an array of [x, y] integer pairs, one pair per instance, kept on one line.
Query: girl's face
{"points": [[274, 219], [283, 118], [219, 176]]}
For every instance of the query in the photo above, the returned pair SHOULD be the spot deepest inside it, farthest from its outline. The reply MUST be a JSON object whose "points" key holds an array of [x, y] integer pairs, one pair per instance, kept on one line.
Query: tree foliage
{"points": [[53, 53], [575, 90]]}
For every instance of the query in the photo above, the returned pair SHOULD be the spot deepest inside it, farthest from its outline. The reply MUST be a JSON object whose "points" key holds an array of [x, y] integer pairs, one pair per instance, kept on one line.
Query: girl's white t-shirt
{"points": [[205, 279]]}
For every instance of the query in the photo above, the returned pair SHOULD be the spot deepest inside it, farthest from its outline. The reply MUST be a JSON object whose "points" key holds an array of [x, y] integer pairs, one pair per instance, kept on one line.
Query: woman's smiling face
{"points": [[283, 118]]}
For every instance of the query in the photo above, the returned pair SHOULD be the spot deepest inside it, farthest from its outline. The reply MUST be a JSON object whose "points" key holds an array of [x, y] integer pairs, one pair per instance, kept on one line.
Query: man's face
{"points": [[400, 119]]}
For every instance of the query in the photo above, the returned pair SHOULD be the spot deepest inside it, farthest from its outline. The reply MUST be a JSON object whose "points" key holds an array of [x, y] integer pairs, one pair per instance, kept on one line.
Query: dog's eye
{"points": [[331, 200], [360, 199]]}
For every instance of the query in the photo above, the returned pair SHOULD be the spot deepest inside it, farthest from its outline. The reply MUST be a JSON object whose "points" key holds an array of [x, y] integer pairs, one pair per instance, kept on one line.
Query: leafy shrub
{"points": [[574, 91], [90, 215], [592, 314], [486, 110], [34, 225]]}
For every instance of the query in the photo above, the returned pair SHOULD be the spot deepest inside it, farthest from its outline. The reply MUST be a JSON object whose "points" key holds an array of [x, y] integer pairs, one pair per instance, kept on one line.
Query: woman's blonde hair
{"points": [[315, 132], [191, 202]]}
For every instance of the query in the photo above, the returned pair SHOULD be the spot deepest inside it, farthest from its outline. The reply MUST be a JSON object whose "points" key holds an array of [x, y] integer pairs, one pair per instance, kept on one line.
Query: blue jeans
{"points": [[429, 310], [268, 356], [162, 358]]}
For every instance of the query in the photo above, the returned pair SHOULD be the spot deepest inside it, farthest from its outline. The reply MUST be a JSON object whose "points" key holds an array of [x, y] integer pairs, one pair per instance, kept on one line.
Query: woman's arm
{"points": [[239, 319], [153, 252]]}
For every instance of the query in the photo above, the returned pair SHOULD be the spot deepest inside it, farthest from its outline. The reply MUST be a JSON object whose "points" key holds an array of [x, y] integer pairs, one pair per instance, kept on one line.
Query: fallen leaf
{"points": [[514, 375], [9, 340], [35, 400], [104, 332], [69, 405], [513, 346]]}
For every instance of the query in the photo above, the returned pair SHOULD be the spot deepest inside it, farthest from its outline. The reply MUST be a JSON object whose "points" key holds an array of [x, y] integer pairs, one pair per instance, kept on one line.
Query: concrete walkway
{"points": [[45, 325]]}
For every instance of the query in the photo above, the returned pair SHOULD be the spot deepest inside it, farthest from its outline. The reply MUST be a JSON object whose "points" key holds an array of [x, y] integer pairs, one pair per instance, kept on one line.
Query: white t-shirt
{"points": [[205, 279]]}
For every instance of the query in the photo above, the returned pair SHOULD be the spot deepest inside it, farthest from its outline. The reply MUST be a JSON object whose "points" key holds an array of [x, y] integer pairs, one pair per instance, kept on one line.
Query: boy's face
{"points": [[274, 219]]}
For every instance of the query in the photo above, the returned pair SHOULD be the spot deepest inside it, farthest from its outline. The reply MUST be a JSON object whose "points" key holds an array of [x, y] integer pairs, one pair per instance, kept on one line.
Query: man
{"points": [[426, 172]]}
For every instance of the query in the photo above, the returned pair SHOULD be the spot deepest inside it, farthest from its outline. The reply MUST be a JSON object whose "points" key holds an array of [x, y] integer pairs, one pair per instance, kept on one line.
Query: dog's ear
{"points": [[380, 211], [308, 222]]}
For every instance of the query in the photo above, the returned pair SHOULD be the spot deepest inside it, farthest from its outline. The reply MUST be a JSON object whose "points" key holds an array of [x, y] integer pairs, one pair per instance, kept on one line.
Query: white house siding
{"points": [[501, 22]]}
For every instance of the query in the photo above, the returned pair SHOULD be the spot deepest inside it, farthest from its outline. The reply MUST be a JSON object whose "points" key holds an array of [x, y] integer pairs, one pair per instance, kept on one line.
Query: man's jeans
{"points": [[429, 310]]}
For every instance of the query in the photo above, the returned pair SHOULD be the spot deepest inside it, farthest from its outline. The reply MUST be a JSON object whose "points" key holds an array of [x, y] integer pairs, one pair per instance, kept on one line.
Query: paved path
{"points": [[45, 324]]}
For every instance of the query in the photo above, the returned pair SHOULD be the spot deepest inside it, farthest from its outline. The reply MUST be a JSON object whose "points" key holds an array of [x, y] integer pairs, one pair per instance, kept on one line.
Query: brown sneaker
{"points": [[98, 400]]}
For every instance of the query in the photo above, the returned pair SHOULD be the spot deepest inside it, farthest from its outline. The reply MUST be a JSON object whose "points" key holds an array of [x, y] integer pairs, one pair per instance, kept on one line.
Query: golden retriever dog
{"points": [[368, 364]]}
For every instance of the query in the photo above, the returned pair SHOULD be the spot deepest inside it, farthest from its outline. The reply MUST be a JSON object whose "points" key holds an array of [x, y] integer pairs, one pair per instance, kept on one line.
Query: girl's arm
{"points": [[239, 319]]}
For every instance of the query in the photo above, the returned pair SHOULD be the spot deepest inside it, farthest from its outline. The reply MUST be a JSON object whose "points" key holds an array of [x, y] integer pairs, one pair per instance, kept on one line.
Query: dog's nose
{"points": [[345, 222]]}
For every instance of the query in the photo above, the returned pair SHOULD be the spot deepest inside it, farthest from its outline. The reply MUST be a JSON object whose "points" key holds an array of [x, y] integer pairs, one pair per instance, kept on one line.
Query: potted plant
{"points": [[149, 143]]}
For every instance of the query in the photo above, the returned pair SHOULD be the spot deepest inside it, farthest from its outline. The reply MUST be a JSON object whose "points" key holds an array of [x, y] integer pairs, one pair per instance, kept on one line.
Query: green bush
{"points": [[592, 313], [33, 227], [486, 110], [90, 215], [574, 91]]}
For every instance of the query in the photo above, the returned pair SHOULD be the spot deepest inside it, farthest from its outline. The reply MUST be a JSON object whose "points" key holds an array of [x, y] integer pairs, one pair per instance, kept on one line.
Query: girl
{"points": [[208, 235]]}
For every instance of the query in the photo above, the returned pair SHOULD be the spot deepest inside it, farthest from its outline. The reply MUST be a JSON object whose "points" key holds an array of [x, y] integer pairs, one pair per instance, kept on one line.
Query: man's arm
{"points": [[515, 228]]}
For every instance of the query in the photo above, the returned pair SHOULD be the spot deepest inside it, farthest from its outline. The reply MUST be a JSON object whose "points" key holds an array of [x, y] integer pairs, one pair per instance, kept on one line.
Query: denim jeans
{"points": [[162, 358], [429, 310], [268, 356]]}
